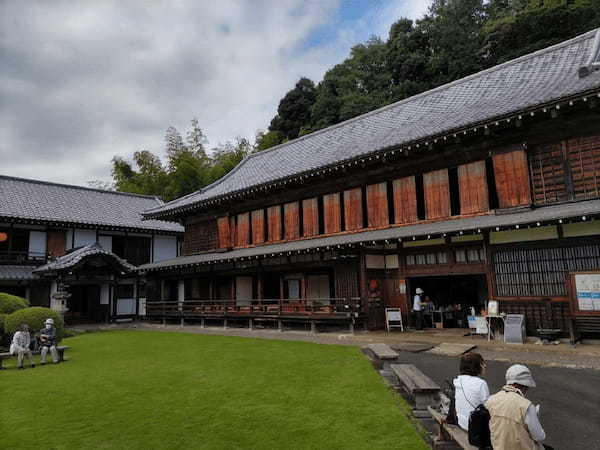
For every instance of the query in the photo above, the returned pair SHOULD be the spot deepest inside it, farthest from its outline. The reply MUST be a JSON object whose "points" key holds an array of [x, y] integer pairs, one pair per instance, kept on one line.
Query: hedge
{"points": [[11, 303], [35, 318]]}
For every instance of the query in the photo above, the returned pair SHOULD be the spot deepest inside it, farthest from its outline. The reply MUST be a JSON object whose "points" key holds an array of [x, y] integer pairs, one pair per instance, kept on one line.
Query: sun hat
{"points": [[519, 374], [50, 321], [419, 291]]}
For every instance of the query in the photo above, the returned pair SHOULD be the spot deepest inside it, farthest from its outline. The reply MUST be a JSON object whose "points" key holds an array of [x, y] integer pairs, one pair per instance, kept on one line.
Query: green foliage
{"points": [[294, 109], [188, 168], [11, 303], [200, 391], [35, 318], [454, 39], [267, 140]]}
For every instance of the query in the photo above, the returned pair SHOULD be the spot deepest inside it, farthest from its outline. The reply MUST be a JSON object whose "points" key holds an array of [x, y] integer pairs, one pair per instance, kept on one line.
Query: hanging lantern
{"points": [[3, 237]]}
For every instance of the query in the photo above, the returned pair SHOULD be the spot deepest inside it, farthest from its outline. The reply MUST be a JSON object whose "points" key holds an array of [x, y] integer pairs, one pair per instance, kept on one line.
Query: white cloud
{"points": [[82, 82]]}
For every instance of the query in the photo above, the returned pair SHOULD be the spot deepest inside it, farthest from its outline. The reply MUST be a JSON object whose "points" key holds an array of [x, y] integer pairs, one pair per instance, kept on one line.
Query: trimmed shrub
{"points": [[35, 318], [11, 303]]}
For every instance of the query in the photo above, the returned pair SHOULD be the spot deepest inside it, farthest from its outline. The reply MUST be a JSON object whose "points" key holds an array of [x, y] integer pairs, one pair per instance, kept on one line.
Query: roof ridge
{"points": [[74, 186]]}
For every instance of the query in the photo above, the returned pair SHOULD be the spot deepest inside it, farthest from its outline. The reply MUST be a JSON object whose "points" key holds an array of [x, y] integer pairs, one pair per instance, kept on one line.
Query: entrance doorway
{"points": [[84, 304], [450, 298]]}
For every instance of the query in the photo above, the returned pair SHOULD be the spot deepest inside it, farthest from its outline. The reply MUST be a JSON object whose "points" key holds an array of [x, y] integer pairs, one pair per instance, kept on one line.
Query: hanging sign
{"points": [[587, 287], [393, 319]]}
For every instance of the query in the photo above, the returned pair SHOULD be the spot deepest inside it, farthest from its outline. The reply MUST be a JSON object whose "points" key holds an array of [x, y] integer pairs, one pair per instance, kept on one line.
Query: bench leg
{"points": [[61, 355]]}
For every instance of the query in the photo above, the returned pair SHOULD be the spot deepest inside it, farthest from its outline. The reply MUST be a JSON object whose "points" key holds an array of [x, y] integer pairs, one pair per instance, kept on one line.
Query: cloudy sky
{"points": [[83, 81]]}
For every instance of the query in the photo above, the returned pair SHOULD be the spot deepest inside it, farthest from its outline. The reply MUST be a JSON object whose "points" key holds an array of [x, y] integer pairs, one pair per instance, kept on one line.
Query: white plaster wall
{"points": [[37, 244], [84, 237], [105, 242], [165, 247]]}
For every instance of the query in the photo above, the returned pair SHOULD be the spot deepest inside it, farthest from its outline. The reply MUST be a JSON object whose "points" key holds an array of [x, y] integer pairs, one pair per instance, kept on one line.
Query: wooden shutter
{"points": [[258, 226], [437, 194], [243, 230], [473, 188], [583, 155], [377, 205], [56, 243], [310, 217], [232, 235], [224, 238], [274, 223], [291, 213], [332, 213], [405, 200], [353, 212], [512, 178]]}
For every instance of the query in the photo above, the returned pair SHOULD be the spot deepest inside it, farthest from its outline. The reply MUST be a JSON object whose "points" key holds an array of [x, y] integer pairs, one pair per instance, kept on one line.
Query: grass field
{"points": [[146, 390]]}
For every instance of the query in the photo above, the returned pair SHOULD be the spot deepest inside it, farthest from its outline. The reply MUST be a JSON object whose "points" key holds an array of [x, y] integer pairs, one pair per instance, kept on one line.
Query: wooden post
{"points": [[202, 323], [225, 323], [280, 325], [313, 327], [250, 324]]}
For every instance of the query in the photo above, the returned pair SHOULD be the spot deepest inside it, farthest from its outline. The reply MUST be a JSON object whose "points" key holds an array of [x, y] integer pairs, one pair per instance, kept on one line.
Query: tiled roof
{"points": [[74, 257], [50, 202], [546, 214], [10, 272], [541, 78]]}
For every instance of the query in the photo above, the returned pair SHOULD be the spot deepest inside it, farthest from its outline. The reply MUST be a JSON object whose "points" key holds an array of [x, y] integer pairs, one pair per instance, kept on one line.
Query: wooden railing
{"points": [[9, 257], [253, 307]]}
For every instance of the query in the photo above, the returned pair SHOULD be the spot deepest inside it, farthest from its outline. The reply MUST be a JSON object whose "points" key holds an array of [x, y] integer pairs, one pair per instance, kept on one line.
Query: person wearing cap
{"points": [[48, 341], [514, 422], [20, 346], [418, 308]]}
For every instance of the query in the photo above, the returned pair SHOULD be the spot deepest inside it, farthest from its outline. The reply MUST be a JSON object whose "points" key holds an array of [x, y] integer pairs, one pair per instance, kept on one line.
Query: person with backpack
{"points": [[470, 390], [514, 422]]}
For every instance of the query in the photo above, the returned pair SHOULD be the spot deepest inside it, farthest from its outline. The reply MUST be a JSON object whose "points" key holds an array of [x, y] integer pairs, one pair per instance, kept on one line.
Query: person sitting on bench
{"points": [[20, 346], [48, 340]]}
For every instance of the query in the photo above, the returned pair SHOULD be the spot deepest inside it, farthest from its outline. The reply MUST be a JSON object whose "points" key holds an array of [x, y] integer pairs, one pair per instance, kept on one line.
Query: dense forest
{"points": [[454, 39]]}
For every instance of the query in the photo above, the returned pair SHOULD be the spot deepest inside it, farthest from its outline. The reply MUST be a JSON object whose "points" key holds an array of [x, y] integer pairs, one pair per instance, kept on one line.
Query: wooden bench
{"points": [[419, 387], [60, 349], [382, 352], [449, 432]]}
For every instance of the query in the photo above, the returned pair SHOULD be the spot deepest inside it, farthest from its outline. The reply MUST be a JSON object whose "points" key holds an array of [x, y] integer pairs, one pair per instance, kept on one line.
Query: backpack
{"points": [[479, 428]]}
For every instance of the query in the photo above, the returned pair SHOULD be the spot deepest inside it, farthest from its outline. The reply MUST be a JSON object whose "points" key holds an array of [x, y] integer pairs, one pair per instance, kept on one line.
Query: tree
{"points": [[228, 155], [150, 177], [265, 140], [294, 109]]}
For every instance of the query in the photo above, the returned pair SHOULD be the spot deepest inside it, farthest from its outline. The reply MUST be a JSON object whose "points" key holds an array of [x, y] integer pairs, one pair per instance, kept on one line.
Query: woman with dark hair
{"points": [[470, 390]]}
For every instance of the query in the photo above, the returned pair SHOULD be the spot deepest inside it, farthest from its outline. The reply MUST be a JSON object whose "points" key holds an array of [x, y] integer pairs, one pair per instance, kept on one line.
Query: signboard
{"points": [[393, 319], [587, 291]]}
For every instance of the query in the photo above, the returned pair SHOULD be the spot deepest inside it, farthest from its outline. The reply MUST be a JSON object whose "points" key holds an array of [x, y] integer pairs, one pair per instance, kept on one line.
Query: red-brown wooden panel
{"points": [[291, 214], [243, 230], [437, 194], [512, 178], [232, 235], [473, 188], [377, 205], [310, 217], [332, 216], [405, 200], [274, 223], [224, 237], [57, 243], [353, 213], [258, 226]]}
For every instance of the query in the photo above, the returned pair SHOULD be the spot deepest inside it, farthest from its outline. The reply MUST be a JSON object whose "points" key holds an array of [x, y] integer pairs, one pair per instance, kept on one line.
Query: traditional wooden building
{"points": [[484, 188], [76, 249]]}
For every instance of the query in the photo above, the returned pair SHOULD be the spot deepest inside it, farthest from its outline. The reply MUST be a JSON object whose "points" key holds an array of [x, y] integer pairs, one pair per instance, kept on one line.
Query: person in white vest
{"points": [[20, 346], [418, 308], [514, 422]]}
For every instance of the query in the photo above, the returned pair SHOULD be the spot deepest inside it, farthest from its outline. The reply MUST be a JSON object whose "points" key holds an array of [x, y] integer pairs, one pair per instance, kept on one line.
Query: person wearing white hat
{"points": [[514, 422], [418, 308], [48, 340]]}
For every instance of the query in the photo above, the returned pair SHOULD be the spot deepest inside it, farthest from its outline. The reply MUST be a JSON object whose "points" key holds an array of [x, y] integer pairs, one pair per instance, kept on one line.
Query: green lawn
{"points": [[146, 390]]}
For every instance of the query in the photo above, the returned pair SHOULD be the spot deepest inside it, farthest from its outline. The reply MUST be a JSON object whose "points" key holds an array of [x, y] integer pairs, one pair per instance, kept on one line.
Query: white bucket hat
{"points": [[419, 291], [519, 374], [50, 321]]}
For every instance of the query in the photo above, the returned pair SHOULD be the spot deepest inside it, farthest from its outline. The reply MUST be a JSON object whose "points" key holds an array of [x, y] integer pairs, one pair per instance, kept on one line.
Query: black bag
{"points": [[479, 428], [451, 418]]}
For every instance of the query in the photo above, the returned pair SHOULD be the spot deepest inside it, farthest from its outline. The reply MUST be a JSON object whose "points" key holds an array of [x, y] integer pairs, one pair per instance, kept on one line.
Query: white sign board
{"points": [[588, 291], [393, 318]]}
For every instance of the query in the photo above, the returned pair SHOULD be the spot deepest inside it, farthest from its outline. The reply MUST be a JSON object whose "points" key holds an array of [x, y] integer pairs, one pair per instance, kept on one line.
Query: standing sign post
{"points": [[393, 319]]}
